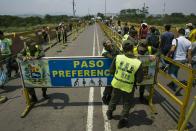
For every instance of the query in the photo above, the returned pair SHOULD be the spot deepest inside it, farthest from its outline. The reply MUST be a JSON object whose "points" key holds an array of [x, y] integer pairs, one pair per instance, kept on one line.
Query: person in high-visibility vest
{"points": [[127, 70], [142, 49], [109, 51], [30, 53]]}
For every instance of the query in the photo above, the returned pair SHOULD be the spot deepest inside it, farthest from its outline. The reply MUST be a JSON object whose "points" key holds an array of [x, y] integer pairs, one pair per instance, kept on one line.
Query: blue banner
{"points": [[78, 72], [67, 72]]}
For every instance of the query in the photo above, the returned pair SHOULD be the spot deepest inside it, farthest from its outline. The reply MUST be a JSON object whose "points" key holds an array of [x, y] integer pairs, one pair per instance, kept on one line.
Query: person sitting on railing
{"points": [[180, 47], [6, 53]]}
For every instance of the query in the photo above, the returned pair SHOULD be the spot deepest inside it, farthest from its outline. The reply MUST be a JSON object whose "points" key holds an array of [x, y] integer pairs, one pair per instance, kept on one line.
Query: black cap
{"points": [[127, 45]]}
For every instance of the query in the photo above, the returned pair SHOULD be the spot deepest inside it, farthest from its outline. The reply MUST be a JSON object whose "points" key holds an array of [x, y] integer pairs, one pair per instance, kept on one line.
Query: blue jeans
{"points": [[173, 70]]}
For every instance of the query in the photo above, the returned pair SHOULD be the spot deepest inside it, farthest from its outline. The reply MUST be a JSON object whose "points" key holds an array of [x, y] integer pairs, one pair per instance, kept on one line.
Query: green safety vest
{"points": [[124, 77], [135, 50], [125, 37], [30, 52]]}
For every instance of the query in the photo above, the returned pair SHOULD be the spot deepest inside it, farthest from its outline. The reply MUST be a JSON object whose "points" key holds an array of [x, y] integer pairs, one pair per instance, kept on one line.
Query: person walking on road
{"points": [[181, 48], [127, 71]]}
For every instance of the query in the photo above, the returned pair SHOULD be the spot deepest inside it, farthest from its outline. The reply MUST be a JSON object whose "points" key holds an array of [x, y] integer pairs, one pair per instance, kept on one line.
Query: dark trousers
{"points": [[59, 37], [33, 94], [127, 101], [141, 90], [65, 37], [11, 64], [108, 91]]}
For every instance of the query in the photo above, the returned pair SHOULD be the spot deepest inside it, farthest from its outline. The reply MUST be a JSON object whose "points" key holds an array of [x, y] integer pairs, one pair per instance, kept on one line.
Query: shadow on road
{"points": [[8, 88], [170, 108], [137, 118], [53, 101]]}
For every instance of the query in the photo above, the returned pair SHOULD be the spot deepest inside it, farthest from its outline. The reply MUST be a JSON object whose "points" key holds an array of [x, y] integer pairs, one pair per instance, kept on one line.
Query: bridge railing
{"points": [[117, 38]]}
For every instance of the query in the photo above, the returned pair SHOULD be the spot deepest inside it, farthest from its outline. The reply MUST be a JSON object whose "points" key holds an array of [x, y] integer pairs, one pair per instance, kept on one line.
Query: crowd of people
{"points": [[148, 40], [126, 68]]}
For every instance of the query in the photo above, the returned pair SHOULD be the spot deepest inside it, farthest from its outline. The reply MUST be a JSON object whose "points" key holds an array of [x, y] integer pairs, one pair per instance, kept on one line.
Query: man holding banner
{"points": [[109, 51], [127, 71], [32, 53], [143, 49]]}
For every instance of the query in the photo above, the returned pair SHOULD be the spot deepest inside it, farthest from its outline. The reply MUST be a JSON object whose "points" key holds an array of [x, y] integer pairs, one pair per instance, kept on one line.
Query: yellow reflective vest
{"points": [[124, 77], [135, 50], [125, 37]]}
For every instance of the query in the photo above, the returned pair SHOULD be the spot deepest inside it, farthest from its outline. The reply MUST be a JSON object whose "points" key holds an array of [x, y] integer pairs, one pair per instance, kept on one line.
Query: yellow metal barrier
{"points": [[29, 105], [188, 116], [112, 34], [187, 88]]}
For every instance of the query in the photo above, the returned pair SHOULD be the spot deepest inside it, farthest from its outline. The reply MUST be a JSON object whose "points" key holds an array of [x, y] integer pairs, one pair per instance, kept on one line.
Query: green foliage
{"points": [[137, 15], [100, 15], [15, 21]]}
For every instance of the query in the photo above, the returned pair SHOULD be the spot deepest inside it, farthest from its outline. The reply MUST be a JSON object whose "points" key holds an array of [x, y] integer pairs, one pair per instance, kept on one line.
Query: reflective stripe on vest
{"points": [[135, 50], [125, 73], [125, 37]]}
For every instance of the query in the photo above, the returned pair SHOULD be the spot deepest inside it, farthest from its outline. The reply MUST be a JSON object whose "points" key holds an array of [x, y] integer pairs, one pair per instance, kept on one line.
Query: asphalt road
{"points": [[81, 109]]}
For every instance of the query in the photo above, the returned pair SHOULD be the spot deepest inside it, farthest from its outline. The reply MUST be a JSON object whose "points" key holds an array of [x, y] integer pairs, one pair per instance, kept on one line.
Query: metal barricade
{"points": [[187, 88]]}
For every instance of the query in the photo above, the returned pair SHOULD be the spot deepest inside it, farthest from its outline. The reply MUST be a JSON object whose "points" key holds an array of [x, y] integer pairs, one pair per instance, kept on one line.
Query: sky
{"points": [[84, 7]]}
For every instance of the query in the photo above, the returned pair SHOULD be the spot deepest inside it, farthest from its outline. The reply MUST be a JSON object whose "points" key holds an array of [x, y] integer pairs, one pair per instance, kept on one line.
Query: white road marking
{"points": [[98, 44], [89, 126], [107, 125]]}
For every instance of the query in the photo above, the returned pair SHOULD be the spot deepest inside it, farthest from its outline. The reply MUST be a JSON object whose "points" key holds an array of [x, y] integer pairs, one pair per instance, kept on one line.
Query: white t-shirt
{"points": [[182, 48]]}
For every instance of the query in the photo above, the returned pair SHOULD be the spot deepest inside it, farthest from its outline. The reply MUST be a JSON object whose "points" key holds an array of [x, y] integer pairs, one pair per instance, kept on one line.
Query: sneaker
{"points": [[109, 115], [34, 100], [3, 99], [45, 96], [123, 123], [172, 86]]}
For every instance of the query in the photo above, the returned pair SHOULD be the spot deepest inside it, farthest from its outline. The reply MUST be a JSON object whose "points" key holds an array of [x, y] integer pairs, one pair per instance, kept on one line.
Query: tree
{"points": [[100, 15], [144, 10]]}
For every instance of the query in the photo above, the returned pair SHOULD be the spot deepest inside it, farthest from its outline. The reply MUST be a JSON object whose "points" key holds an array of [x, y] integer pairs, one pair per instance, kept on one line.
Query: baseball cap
{"points": [[189, 24]]}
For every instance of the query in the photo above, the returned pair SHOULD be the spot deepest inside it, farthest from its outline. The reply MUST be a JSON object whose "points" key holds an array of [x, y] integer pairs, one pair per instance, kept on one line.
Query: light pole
{"points": [[105, 8]]}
